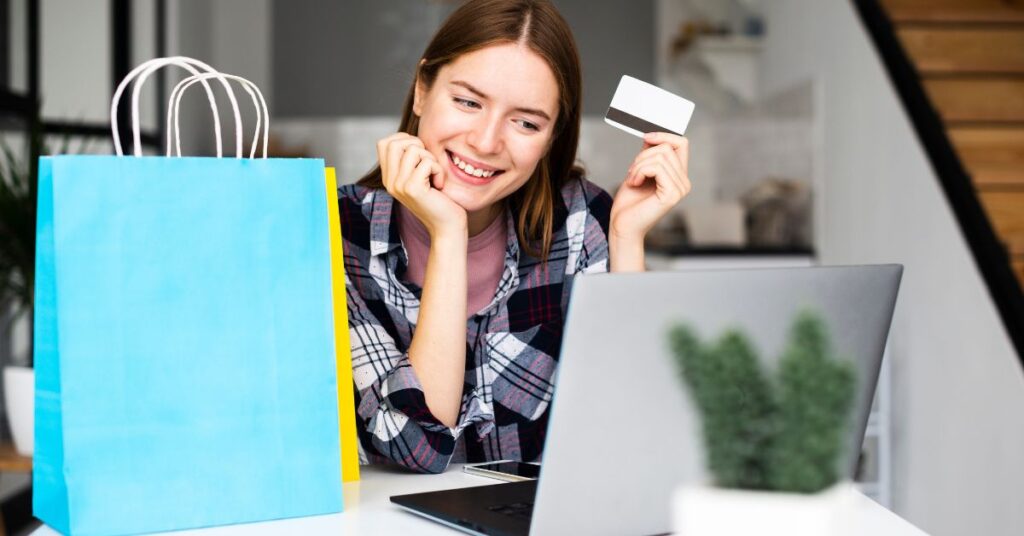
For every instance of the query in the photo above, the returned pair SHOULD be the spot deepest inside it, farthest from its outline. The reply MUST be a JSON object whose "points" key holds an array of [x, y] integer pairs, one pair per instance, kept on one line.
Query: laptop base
{"points": [[497, 509]]}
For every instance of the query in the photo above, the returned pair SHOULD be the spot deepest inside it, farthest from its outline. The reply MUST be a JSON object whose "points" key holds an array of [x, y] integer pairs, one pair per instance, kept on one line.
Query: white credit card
{"points": [[638, 108]]}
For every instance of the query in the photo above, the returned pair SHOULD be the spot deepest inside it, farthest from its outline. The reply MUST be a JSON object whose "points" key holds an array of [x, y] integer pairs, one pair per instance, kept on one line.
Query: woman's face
{"points": [[488, 118]]}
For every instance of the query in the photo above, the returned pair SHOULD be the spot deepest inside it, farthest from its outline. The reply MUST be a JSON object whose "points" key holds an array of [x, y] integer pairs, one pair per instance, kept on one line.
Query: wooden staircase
{"points": [[969, 55]]}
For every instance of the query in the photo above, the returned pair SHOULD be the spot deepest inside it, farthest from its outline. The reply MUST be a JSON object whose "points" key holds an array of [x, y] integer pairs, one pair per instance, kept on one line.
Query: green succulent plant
{"points": [[760, 434]]}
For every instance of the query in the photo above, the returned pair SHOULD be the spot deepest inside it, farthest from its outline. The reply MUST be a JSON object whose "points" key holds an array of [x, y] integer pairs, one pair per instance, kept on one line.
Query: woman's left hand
{"points": [[655, 183]]}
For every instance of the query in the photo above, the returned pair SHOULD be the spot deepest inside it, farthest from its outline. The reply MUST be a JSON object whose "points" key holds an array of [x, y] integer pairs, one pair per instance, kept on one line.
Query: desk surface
{"points": [[368, 510]]}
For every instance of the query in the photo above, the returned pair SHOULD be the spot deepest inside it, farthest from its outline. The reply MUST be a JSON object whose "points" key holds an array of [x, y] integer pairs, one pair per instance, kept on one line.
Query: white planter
{"points": [[20, 402], [707, 511]]}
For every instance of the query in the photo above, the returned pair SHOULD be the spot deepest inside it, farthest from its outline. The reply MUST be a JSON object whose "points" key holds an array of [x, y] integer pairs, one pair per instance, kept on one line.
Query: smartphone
{"points": [[508, 471]]}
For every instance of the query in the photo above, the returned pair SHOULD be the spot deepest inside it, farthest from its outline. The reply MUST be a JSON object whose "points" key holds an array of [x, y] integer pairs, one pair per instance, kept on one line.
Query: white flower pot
{"points": [[20, 401], [706, 511]]}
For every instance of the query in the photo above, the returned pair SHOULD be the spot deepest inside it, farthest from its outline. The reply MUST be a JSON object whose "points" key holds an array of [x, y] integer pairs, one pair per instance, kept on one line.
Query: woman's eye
{"points": [[528, 125], [466, 102]]}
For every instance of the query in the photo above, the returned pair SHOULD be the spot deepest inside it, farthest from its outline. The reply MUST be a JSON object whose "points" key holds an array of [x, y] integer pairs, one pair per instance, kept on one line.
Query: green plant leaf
{"points": [[734, 398], [816, 394], [787, 435]]}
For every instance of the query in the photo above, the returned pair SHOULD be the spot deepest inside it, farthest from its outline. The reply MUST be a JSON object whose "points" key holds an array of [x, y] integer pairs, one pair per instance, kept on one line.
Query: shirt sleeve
{"points": [[395, 422]]}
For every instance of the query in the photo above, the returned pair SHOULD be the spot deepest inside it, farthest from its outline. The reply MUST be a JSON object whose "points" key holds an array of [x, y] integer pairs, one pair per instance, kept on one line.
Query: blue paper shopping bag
{"points": [[185, 364]]}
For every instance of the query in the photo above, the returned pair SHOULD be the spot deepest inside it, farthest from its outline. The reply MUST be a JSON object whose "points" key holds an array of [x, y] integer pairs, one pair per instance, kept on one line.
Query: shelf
{"points": [[733, 61], [11, 461], [729, 43]]}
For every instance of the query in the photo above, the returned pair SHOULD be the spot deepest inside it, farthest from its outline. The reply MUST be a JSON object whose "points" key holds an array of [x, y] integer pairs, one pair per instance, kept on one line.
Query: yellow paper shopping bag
{"points": [[346, 397]]}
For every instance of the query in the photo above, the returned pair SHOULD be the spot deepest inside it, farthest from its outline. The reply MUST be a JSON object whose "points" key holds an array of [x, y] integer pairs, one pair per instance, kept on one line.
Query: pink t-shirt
{"points": [[485, 264]]}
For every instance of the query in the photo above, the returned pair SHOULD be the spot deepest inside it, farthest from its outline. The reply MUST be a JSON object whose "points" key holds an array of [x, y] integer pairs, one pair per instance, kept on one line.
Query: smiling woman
{"points": [[462, 244]]}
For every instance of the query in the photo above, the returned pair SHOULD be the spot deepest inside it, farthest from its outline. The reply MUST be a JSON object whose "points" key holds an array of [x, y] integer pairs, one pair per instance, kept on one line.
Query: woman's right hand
{"points": [[413, 176]]}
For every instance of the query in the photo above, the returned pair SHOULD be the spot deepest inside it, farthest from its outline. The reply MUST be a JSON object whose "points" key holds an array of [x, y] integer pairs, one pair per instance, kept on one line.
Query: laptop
{"points": [[623, 432]]}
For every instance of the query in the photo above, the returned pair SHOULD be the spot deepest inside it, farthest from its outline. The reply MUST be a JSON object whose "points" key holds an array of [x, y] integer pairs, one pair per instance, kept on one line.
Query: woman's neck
{"points": [[482, 219]]}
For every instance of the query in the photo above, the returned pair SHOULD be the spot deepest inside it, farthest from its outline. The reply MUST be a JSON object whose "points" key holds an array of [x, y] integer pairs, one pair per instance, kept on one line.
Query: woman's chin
{"points": [[469, 202]]}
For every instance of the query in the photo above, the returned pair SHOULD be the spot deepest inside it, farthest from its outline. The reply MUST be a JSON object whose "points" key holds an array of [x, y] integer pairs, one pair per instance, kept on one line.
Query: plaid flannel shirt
{"points": [[512, 345]]}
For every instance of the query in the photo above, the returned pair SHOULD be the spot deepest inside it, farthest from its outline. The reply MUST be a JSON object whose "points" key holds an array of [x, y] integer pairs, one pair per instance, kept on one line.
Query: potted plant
{"points": [[774, 446], [17, 270], [18, 192]]}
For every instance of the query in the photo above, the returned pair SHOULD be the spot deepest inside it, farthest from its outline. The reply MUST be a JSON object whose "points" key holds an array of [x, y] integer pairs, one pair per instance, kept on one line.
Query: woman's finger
{"points": [[686, 185], [679, 144], [438, 176], [383, 152], [388, 162], [668, 188], [429, 172], [398, 142], [658, 138], [684, 156], [397, 151], [667, 162], [649, 152], [421, 173], [676, 172], [411, 158], [408, 160]]}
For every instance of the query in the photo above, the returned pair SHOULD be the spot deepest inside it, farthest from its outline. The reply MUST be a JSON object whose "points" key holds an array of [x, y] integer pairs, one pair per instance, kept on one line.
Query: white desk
{"points": [[368, 510]]}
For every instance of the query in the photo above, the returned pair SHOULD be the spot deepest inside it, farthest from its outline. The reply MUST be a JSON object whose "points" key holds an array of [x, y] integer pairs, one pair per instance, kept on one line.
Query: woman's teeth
{"points": [[470, 170]]}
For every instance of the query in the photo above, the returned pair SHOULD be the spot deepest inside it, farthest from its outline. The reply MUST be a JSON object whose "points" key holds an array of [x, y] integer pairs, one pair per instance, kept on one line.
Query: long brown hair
{"points": [[537, 24]]}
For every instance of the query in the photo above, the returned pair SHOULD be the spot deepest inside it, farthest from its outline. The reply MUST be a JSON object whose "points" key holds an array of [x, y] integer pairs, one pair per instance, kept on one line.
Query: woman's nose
{"points": [[486, 136]]}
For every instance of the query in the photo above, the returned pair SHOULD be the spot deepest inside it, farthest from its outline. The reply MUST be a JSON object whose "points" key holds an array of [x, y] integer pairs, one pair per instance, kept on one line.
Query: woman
{"points": [[461, 246]]}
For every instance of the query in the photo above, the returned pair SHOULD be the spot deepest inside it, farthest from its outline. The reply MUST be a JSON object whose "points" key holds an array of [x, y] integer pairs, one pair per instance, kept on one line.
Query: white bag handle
{"points": [[189, 64], [173, 126], [230, 95], [258, 102]]}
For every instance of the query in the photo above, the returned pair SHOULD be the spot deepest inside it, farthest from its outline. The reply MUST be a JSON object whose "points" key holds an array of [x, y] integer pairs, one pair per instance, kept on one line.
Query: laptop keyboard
{"points": [[519, 510]]}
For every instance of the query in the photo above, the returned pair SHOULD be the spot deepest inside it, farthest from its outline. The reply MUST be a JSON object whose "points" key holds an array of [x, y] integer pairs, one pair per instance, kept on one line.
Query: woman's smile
{"points": [[471, 171]]}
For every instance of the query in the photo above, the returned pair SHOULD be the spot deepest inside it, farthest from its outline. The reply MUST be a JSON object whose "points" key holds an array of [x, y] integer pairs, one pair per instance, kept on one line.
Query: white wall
{"points": [[958, 389], [234, 37], [17, 56], [242, 40], [75, 59]]}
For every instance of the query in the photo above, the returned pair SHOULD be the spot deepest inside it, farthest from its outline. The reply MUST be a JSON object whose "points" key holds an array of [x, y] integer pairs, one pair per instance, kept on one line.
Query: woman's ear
{"points": [[419, 91]]}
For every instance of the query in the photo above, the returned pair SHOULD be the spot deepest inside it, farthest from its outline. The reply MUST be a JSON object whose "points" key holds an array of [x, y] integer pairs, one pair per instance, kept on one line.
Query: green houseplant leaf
{"points": [[815, 397], [18, 197], [17, 227], [784, 435], [735, 400]]}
